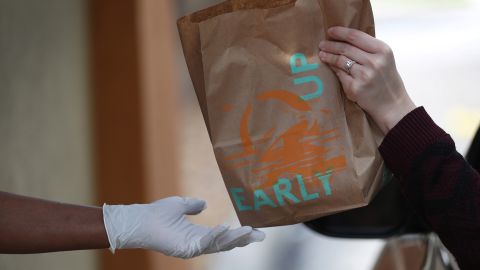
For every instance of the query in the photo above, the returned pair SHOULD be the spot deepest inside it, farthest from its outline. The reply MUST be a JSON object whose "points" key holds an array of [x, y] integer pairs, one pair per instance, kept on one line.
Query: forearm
{"points": [[438, 181], [30, 225]]}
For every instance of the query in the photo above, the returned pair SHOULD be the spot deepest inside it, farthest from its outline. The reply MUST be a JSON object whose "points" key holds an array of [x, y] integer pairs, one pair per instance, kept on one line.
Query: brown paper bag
{"points": [[289, 146]]}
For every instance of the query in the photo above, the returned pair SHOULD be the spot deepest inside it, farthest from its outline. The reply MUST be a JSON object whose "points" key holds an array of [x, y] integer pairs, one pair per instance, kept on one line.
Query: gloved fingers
{"points": [[210, 240], [257, 235], [239, 237], [233, 236], [193, 206], [230, 239], [254, 236]]}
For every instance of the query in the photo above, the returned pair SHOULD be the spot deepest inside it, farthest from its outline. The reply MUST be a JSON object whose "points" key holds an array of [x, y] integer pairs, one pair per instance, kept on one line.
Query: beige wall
{"points": [[185, 7], [44, 121]]}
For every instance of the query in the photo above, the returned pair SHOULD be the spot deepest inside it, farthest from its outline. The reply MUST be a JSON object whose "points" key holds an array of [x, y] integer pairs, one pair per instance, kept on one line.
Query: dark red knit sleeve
{"points": [[437, 180]]}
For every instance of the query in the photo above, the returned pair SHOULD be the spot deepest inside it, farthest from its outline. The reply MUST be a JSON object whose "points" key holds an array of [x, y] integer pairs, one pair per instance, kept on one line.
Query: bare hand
{"points": [[373, 81]]}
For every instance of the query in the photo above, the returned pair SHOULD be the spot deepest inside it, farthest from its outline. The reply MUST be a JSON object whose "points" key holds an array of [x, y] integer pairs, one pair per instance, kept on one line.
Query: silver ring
{"points": [[348, 65]]}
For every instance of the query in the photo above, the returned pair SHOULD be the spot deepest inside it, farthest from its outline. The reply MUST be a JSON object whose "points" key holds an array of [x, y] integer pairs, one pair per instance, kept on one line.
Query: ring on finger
{"points": [[348, 65]]}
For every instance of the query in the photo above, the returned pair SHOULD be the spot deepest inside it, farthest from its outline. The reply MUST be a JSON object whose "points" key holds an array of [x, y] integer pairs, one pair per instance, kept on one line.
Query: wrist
{"points": [[125, 225], [117, 225], [391, 114], [107, 216]]}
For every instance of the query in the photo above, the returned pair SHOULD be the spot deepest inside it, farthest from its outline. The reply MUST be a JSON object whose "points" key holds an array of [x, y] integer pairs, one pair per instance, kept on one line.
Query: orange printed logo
{"points": [[300, 150], [299, 153]]}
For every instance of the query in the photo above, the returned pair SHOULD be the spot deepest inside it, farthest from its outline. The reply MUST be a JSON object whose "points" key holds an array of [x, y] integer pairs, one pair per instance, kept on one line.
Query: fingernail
{"points": [[321, 45], [322, 55]]}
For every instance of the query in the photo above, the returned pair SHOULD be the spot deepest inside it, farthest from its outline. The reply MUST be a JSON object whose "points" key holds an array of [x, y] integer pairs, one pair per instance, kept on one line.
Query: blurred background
{"points": [[96, 105]]}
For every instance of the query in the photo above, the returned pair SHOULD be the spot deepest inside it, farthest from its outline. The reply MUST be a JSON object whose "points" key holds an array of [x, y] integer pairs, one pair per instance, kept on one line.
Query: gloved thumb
{"points": [[194, 206]]}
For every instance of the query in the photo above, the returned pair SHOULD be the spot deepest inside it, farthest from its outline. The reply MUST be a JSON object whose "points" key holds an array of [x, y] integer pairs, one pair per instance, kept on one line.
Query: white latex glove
{"points": [[162, 226]]}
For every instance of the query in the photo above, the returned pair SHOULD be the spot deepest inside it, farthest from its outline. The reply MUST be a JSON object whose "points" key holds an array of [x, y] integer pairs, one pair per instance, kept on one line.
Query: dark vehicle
{"points": [[410, 242]]}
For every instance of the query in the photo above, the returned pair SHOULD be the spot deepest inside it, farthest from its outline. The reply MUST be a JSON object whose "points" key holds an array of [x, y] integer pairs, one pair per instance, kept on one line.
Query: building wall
{"points": [[44, 113], [185, 7]]}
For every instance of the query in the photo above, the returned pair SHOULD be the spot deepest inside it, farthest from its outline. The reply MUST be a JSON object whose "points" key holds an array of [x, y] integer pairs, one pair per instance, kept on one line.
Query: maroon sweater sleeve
{"points": [[437, 180]]}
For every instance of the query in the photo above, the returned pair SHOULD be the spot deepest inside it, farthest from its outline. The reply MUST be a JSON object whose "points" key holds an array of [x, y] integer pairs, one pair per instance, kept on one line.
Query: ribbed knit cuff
{"points": [[408, 139]]}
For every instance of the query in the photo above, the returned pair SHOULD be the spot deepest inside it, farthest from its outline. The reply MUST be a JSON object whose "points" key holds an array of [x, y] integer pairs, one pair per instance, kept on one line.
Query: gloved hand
{"points": [[162, 226]]}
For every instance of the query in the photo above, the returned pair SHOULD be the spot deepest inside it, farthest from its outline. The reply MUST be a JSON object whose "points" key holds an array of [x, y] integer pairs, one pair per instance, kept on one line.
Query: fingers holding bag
{"points": [[367, 70]]}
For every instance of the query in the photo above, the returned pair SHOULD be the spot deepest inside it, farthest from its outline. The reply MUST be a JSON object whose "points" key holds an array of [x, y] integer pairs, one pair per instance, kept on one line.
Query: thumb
{"points": [[194, 206]]}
